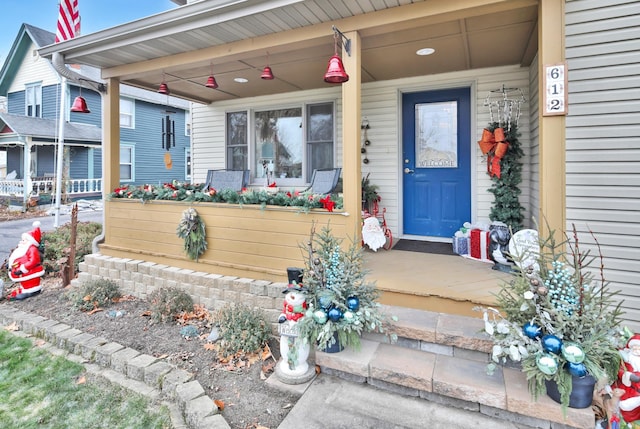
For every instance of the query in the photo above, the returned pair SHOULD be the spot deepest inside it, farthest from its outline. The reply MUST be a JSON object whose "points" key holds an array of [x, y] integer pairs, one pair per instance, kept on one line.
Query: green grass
{"points": [[39, 390]]}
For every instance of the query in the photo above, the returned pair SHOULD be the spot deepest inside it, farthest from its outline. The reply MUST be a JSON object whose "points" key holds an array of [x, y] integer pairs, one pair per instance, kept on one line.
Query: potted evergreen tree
{"points": [[342, 303], [558, 320]]}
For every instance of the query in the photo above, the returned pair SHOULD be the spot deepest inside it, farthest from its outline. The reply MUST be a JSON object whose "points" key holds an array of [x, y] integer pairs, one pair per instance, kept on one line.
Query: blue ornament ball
{"points": [[353, 303], [551, 343], [577, 369], [335, 314], [532, 330], [325, 301]]}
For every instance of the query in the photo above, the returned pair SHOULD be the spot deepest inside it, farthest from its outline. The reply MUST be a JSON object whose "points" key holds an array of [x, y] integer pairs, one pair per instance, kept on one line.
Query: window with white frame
{"points": [[127, 113], [33, 100], [127, 162], [187, 164], [286, 142]]}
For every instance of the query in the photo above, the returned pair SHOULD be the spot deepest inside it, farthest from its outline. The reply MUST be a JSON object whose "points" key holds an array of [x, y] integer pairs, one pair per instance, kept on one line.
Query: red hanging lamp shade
{"points": [[80, 105], [335, 71], [267, 73], [211, 82], [164, 89]]}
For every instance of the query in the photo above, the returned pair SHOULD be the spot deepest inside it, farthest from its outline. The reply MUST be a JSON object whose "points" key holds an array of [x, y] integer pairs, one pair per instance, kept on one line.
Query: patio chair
{"points": [[324, 181], [235, 180]]}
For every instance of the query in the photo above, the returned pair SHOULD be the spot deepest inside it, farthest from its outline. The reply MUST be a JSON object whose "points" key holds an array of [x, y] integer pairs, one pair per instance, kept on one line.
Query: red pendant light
{"points": [[164, 89], [211, 81], [267, 74], [80, 105], [335, 71]]}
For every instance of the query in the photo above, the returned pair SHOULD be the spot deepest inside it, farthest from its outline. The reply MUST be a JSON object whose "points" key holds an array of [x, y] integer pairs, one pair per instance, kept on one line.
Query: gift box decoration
{"points": [[479, 246], [461, 245]]}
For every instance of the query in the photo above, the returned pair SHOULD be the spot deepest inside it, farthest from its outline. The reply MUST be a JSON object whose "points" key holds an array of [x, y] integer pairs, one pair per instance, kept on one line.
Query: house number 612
{"points": [[555, 94]]}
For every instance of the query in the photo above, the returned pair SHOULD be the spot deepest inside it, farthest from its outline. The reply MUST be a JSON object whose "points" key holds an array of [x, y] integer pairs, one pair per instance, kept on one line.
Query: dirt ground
{"points": [[249, 403]]}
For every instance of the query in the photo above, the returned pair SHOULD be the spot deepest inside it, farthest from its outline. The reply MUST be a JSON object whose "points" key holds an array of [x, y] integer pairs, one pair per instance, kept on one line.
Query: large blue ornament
{"points": [[532, 330], [335, 314], [577, 369], [551, 343], [353, 303]]}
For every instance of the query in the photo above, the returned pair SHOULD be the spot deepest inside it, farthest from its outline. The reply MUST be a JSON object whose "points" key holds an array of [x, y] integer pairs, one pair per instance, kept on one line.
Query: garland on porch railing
{"points": [[193, 231]]}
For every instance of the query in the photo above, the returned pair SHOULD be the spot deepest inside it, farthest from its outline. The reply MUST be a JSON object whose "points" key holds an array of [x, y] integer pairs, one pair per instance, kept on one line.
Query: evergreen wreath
{"points": [[193, 231]]}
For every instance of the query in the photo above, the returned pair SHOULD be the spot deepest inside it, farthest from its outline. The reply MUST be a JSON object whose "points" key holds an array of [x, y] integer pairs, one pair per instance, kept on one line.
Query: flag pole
{"points": [[60, 158]]}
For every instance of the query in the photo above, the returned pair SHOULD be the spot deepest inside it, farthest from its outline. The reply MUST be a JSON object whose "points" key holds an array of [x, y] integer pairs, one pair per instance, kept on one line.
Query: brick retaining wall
{"points": [[212, 291]]}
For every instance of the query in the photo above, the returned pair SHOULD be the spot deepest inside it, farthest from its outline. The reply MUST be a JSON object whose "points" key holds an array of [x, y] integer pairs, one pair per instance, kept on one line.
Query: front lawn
{"points": [[44, 391]]}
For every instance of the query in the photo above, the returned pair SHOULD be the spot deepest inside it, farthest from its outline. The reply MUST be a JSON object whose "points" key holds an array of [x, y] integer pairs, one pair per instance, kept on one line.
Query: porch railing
{"points": [[15, 188]]}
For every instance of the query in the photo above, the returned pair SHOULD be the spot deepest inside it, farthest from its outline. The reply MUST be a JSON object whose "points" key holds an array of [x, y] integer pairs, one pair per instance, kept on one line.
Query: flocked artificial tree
{"points": [[342, 303]]}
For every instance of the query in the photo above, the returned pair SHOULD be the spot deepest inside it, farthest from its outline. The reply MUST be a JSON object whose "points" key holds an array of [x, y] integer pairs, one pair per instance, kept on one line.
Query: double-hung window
{"points": [[286, 144], [127, 162], [33, 100], [127, 113]]}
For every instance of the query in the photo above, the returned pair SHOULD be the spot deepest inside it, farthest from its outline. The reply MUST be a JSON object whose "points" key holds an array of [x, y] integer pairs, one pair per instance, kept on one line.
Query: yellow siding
{"points": [[246, 241]]}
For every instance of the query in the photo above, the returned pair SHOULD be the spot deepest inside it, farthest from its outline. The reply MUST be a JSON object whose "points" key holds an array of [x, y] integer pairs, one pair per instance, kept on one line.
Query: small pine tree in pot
{"points": [[342, 303]]}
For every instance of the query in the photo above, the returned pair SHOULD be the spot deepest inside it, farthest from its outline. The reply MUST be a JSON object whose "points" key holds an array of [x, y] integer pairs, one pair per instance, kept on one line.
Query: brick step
{"points": [[442, 358]]}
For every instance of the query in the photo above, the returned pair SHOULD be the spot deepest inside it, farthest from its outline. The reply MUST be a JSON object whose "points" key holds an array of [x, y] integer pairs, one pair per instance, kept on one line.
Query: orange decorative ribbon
{"points": [[494, 145]]}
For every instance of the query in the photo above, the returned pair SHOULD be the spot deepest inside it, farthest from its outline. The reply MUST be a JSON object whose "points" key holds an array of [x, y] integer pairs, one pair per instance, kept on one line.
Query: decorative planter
{"points": [[581, 393], [335, 347]]}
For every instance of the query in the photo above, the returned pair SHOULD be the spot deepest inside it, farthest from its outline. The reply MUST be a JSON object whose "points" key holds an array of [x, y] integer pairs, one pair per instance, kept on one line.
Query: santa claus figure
{"points": [[629, 380], [25, 266]]}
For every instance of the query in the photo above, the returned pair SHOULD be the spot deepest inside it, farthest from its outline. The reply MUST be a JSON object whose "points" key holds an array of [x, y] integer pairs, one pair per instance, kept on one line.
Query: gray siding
{"points": [[603, 137]]}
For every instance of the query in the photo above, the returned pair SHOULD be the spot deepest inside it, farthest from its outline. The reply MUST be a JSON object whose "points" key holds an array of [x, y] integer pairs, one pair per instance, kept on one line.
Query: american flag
{"points": [[68, 20]]}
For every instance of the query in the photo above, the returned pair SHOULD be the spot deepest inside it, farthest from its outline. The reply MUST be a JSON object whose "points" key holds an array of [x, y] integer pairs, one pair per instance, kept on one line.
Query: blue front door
{"points": [[436, 162]]}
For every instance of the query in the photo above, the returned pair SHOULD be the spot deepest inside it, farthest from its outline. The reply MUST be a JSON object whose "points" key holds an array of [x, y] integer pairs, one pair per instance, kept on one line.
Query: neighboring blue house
{"points": [[30, 130]]}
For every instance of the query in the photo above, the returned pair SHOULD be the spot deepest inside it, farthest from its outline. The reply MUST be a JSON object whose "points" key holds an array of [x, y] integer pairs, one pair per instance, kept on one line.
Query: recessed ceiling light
{"points": [[241, 80], [425, 51]]}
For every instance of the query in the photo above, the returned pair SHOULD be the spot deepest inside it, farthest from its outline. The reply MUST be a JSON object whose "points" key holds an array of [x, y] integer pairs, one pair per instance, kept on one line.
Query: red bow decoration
{"points": [[327, 203], [272, 185], [494, 145]]}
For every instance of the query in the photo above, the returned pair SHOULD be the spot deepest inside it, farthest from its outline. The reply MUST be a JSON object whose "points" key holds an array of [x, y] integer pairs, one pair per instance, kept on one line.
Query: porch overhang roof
{"points": [[237, 38], [44, 131]]}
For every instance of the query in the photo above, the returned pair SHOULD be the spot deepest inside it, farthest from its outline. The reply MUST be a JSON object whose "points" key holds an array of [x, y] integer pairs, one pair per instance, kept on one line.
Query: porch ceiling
{"points": [[294, 37]]}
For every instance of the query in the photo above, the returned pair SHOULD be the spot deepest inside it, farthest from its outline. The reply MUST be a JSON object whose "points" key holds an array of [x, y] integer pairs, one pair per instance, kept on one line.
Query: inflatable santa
{"points": [[25, 266], [629, 380]]}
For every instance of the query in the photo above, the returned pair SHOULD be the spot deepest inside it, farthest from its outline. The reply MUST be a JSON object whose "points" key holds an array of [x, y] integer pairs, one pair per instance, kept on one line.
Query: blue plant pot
{"points": [[335, 347], [581, 392]]}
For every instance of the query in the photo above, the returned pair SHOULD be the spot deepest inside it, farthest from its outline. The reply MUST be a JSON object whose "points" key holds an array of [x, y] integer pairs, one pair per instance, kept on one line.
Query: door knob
{"points": [[407, 170]]}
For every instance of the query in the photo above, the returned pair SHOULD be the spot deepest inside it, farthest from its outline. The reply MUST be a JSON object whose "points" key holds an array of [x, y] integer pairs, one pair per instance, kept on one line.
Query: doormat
{"points": [[425, 247]]}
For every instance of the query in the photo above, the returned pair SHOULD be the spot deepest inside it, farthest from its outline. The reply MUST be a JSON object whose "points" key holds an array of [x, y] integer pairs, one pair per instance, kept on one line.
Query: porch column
{"points": [[552, 128], [27, 171], [351, 118], [111, 136]]}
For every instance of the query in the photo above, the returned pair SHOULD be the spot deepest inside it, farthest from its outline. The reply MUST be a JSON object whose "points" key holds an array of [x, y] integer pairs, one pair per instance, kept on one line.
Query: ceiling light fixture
{"points": [[211, 81], [425, 51]]}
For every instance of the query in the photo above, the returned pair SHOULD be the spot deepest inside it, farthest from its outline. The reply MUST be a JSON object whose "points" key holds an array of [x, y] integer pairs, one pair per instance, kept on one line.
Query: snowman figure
{"points": [[294, 350]]}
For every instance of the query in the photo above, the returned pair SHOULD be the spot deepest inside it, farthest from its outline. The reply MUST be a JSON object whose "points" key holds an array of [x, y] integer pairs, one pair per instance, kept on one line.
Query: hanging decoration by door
{"points": [[365, 140], [168, 138], [499, 142]]}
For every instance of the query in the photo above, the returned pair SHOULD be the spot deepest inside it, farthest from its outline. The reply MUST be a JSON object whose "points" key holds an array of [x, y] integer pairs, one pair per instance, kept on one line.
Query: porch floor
{"points": [[441, 283]]}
